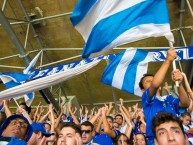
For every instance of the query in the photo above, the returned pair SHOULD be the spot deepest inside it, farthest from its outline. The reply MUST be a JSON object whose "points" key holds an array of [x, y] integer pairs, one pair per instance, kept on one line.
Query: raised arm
{"points": [[73, 115], [95, 117], [161, 73], [110, 107], [59, 116], [128, 121], [43, 118], [6, 106], [184, 100], [107, 129], [187, 85], [52, 138], [35, 115]]}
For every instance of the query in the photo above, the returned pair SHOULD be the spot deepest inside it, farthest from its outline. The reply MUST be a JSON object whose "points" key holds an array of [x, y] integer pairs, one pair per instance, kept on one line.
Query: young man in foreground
{"points": [[168, 130]]}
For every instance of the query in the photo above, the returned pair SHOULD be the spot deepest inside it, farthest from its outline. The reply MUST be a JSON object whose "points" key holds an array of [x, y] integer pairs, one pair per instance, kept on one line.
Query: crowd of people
{"points": [[162, 119]]}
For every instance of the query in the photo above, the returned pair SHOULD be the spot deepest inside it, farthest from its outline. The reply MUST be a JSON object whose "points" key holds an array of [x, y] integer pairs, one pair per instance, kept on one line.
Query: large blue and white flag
{"points": [[105, 24], [126, 70]]}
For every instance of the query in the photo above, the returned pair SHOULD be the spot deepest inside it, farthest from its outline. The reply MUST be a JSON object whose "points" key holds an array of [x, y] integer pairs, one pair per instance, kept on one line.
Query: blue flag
{"points": [[106, 24], [126, 70], [12, 79]]}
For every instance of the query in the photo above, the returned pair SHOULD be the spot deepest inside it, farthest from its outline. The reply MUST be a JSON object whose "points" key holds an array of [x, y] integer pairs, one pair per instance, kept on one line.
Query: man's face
{"points": [[67, 136], [119, 120], [17, 127], [87, 134], [147, 82], [170, 133]]}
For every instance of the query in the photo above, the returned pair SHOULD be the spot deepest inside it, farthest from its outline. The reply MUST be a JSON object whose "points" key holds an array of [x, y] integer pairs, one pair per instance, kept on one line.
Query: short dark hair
{"points": [[141, 80], [28, 109], [186, 114], [119, 115], [122, 134], [110, 117], [88, 123], [72, 125], [163, 117]]}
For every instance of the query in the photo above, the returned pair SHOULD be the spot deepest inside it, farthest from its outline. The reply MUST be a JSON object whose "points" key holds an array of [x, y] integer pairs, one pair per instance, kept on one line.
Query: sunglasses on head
{"points": [[86, 131]]}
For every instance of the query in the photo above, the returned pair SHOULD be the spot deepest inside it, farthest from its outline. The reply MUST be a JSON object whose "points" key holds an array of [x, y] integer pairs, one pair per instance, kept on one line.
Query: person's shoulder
{"points": [[145, 93]]}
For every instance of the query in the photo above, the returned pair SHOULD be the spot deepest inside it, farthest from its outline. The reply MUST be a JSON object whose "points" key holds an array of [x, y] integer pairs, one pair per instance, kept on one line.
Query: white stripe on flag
{"points": [[121, 68], [109, 24], [126, 70], [141, 69], [100, 10]]}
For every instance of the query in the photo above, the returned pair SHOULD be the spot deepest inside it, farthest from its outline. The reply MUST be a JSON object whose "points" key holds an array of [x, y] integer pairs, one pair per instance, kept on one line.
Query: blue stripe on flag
{"points": [[111, 68], [11, 84], [30, 95], [80, 11], [130, 75], [108, 29], [124, 72], [190, 51]]}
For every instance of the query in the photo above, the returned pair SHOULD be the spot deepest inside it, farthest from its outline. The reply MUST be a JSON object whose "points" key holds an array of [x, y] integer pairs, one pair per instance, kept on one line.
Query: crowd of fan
{"points": [[162, 120]]}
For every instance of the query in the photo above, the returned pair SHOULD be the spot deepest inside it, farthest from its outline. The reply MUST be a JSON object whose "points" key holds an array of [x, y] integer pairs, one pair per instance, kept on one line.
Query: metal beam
{"points": [[46, 91], [7, 27], [4, 4], [182, 10]]}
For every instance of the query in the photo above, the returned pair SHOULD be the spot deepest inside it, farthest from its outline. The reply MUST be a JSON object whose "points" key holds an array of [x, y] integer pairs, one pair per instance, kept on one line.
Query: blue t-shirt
{"points": [[151, 106]]}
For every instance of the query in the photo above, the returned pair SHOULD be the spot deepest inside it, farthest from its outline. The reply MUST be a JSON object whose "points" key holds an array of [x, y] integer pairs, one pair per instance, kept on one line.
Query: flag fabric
{"points": [[64, 67], [30, 96], [43, 78], [31, 65], [12, 79], [47, 81], [126, 70], [1, 105], [105, 24]]}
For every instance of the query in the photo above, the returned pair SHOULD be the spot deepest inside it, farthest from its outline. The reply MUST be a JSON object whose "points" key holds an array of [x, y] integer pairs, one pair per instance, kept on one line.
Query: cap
{"points": [[37, 126], [103, 139], [7, 121]]}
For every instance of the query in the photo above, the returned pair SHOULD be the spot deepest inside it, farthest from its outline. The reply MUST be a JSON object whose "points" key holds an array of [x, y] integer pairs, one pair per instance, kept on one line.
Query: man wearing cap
{"points": [[15, 130], [39, 134]]}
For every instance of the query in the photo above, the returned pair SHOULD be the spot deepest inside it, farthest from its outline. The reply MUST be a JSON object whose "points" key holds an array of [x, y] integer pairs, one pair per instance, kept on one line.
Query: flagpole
{"points": [[174, 64], [16, 102]]}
